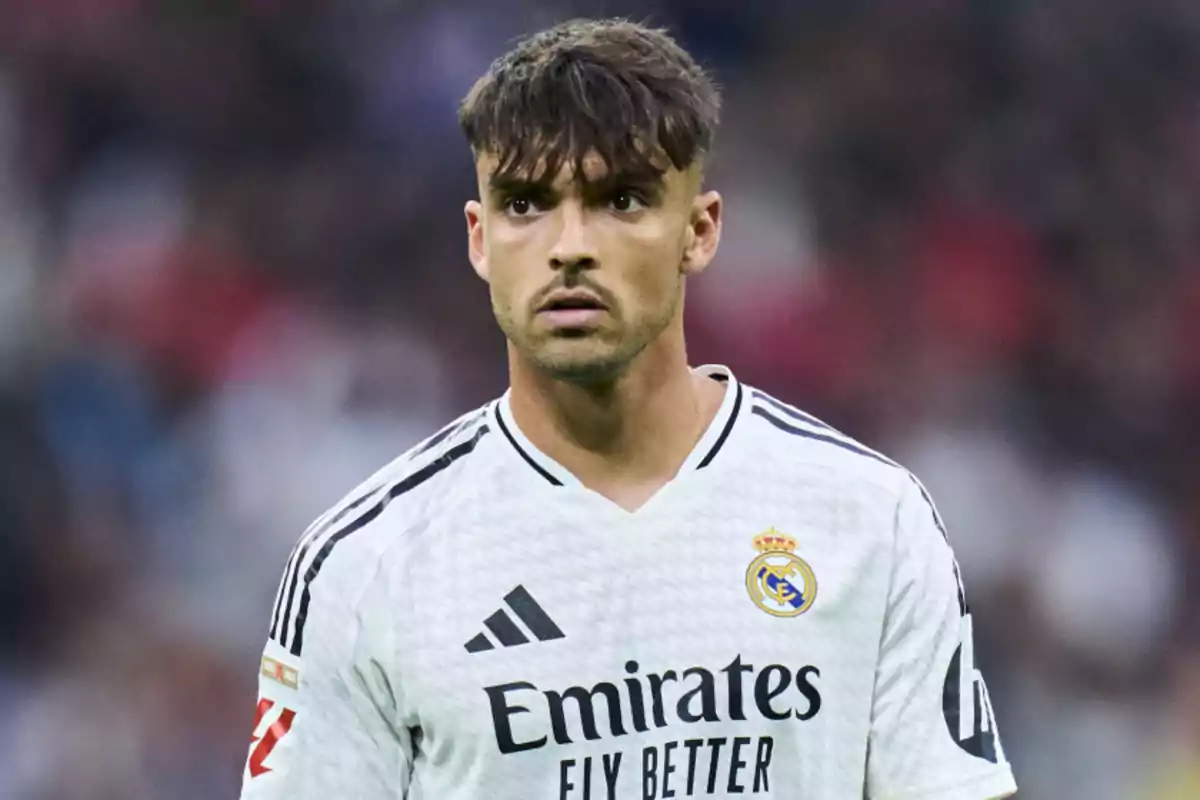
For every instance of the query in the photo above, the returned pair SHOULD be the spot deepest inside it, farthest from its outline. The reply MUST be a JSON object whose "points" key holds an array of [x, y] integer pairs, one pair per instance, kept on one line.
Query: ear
{"points": [[703, 234], [475, 249]]}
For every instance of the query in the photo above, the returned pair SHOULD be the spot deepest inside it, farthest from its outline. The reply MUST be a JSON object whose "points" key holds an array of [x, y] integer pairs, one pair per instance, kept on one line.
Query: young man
{"points": [[625, 578]]}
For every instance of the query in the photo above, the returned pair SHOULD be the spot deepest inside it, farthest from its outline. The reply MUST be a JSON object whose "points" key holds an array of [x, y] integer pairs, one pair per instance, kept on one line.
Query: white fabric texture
{"points": [[480, 625]]}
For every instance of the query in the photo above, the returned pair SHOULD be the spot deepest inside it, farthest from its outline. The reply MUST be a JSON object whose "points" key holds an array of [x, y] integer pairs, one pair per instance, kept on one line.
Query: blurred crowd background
{"points": [[233, 282]]}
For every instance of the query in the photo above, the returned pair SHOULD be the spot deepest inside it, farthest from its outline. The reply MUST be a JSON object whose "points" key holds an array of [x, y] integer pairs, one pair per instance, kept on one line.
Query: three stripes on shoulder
{"points": [[315, 546]]}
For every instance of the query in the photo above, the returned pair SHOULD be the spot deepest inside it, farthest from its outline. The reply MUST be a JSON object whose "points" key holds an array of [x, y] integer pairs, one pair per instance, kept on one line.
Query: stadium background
{"points": [[233, 282]]}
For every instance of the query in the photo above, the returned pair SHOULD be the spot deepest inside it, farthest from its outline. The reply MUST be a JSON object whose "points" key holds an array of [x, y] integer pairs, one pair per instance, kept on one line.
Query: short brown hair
{"points": [[624, 91]]}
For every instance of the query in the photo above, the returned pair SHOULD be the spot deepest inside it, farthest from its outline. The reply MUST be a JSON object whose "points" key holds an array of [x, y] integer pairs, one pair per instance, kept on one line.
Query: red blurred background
{"points": [[233, 283]]}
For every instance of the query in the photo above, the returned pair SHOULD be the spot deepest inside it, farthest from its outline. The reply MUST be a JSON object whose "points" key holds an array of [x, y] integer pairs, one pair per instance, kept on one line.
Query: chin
{"points": [[588, 364]]}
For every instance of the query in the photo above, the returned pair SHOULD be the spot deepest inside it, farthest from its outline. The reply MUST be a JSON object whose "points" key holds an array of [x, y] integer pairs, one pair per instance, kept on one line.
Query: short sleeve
{"points": [[933, 732], [327, 720]]}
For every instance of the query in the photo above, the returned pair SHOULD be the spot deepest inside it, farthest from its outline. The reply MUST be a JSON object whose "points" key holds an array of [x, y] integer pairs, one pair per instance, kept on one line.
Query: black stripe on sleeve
{"points": [[283, 583], [820, 437], [964, 607], [408, 484], [534, 617], [733, 415], [825, 428], [446, 432], [854, 448], [324, 528], [937, 518], [433, 441], [794, 413], [303, 551]]}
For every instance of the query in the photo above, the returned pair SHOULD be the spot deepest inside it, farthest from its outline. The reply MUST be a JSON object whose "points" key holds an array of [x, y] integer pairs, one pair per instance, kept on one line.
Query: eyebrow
{"points": [[651, 185], [509, 185]]}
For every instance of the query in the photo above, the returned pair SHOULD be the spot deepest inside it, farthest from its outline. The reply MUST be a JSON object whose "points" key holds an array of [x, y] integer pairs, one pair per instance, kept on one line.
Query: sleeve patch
{"points": [[280, 672]]}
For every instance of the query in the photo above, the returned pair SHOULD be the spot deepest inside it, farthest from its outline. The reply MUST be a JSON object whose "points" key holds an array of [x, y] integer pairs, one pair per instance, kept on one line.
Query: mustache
{"points": [[573, 282]]}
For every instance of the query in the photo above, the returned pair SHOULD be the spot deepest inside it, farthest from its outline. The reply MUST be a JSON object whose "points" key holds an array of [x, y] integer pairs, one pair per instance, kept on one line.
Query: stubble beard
{"points": [[590, 359]]}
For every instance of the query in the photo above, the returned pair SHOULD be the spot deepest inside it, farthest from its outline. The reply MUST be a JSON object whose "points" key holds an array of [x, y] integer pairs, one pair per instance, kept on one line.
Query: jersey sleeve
{"points": [[327, 719], [933, 733]]}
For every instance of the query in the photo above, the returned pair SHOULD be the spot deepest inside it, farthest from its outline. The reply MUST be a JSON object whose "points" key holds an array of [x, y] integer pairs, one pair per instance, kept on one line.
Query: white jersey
{"points": [[784, 619]]}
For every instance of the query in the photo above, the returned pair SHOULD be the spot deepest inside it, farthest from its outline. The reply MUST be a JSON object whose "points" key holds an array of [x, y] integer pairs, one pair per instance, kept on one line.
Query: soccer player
{"points": [[626, 577]]}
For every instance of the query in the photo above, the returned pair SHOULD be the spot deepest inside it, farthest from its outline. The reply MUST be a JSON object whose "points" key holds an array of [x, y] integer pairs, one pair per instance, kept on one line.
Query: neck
{"points": [[635, 429]]}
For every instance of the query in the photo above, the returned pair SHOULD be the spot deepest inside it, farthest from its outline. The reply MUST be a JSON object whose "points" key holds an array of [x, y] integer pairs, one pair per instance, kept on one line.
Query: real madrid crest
{"points": [[779, 581]]}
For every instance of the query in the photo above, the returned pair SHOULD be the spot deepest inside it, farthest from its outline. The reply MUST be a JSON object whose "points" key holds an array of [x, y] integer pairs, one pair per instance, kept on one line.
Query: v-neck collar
{"points": [[706, 449]]}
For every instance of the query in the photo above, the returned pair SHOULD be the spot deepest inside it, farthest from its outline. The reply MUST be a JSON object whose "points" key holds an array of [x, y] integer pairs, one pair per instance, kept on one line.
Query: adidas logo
{"points": [[507, 632]]}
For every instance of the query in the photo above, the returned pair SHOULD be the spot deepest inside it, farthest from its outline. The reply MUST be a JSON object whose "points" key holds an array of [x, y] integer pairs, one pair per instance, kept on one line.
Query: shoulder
{"points": [[341, 552], [803, 446], [409, 479]]}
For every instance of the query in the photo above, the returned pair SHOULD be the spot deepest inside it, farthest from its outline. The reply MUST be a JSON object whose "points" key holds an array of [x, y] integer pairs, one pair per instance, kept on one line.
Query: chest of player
{"points": [[580, 631]]}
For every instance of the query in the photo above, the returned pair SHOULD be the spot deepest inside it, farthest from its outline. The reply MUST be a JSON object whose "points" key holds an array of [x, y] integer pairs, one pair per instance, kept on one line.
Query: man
{"points": [[625, 578]]}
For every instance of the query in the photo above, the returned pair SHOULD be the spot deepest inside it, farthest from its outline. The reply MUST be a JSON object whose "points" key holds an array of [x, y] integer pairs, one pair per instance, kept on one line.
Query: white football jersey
{"points": [[784, 619]]}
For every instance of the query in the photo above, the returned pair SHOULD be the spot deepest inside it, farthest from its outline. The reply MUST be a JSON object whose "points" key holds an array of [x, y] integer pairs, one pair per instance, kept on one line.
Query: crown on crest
{"points": [[772, 541]]}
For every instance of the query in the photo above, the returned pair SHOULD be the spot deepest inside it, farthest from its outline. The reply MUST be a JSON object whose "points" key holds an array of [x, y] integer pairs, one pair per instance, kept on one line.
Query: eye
{"points": [[626, 202], [521, 207]]}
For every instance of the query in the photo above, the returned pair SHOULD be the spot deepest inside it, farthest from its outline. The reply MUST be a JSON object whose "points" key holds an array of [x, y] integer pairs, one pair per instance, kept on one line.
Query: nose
{"points": [[574, 248]]}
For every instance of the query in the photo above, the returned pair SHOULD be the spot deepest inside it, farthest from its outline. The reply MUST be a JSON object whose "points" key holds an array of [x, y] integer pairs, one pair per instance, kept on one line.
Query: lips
{"points": [[572, 301], [572, 310]]}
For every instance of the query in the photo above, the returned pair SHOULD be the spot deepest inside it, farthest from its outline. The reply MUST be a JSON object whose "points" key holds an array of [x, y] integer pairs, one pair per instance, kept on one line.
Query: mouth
{"points": [[572, 301], [572, 309]]}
